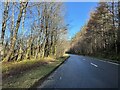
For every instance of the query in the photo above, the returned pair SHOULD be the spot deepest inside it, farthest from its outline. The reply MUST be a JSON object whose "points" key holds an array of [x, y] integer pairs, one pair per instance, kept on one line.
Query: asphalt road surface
{"points": [[83, 72]]}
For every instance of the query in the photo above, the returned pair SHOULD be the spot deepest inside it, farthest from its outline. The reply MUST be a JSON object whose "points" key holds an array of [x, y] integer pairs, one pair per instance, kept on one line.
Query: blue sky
{"points": [[77, 15]]}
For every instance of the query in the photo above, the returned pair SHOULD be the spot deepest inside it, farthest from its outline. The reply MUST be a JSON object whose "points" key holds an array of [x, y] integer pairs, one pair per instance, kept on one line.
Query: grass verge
{"points": [[31, 75], [112, 58]]}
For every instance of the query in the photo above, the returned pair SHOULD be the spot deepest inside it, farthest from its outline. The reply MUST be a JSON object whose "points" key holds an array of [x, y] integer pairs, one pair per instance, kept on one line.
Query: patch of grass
{"points": [[13, 68], [112, 57], [29, 77]]}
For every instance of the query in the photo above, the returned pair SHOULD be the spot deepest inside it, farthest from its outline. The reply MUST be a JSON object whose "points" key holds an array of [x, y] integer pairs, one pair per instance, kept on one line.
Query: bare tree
{"points": [[23, 6], [4, 21]]}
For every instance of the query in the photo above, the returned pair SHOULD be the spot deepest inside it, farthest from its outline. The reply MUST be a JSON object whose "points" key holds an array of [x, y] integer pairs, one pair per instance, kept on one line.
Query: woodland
{"points": [[100, 36]]}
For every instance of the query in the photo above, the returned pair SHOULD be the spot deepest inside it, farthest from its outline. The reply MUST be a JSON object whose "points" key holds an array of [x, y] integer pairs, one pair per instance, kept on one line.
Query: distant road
{"points": [[83, 72]]}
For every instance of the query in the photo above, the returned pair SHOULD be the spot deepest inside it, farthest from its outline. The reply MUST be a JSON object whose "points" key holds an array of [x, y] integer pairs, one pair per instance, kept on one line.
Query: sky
{"points": [[77, 14]]}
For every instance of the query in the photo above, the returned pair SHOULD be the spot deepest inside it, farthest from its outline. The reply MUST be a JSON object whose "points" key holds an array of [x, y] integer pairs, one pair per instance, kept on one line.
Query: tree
{"points": [[98, 37], [23, 6], [35, 37], [5, 18]]}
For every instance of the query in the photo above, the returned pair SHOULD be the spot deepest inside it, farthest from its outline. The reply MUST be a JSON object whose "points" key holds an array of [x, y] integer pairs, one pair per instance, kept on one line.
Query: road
{"points": [[83, 72]]}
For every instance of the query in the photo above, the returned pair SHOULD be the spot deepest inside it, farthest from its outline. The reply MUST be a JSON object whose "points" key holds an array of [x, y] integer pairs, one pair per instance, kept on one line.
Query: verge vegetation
{"points": [[22, 75], [32, 32]]}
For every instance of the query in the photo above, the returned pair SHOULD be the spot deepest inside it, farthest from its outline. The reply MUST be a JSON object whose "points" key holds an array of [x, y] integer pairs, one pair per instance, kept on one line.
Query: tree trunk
{"points": [[22, 7], [5, 17]]}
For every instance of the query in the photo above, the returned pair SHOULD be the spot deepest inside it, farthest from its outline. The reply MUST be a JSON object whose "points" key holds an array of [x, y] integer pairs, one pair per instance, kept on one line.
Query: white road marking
{"points": [[109, 62], [113, 63], [60, 78], [102, 61], [94, 64]]}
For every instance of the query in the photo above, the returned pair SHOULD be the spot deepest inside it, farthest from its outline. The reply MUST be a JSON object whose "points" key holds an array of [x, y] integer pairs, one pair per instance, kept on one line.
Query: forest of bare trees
{"points": [[100, 36], [32, 30]]}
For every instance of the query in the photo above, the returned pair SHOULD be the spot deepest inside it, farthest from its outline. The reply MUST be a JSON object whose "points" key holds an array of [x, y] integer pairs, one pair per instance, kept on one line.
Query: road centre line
{"points": [[94, 64]]}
